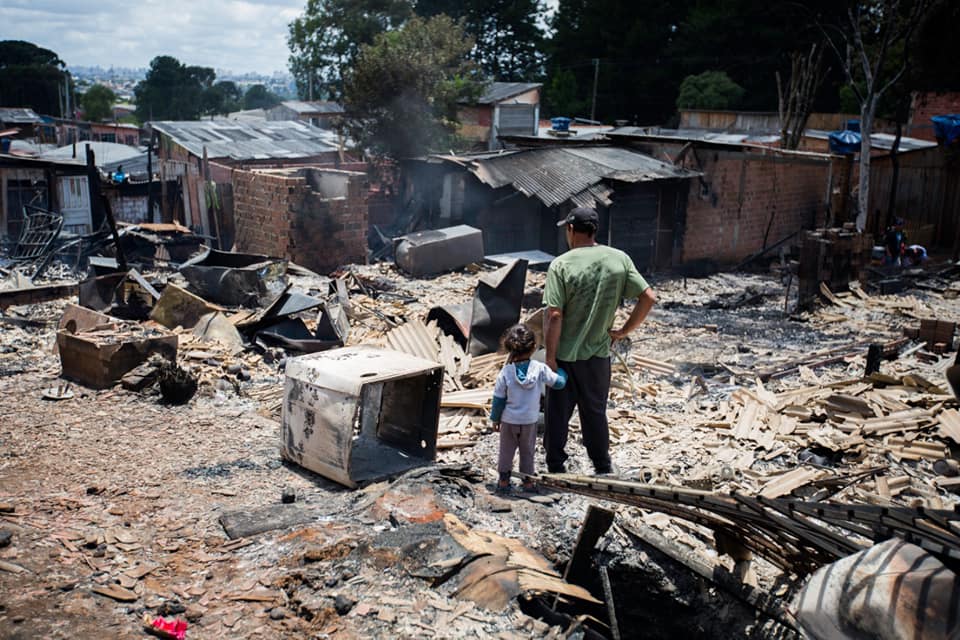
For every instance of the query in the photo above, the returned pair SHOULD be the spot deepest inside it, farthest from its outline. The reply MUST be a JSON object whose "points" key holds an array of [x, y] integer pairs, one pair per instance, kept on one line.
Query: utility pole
{"points": [[596, 75]]}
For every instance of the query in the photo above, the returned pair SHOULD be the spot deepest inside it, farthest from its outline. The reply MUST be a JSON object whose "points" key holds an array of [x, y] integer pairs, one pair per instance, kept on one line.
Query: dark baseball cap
{"points": [[581, 215]]}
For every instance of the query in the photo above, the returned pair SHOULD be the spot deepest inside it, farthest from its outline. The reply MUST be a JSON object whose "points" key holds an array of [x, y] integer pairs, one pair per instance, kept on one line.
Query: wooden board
{"points": [[250, 522]]}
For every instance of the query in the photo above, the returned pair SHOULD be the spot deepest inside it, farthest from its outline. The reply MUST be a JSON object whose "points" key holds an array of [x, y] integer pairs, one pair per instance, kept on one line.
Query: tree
{"points": [[328, 36], [97, 103], [709, 90], [172, 91], [222, 98], [560, 96], [33, 77], [622, 49], [508, 36], [873, 47], [796, 98], [259, 97], [401, 94]]}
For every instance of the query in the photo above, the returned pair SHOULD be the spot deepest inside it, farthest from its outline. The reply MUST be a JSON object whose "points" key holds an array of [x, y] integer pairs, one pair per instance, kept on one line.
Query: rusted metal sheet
{"points": [[478, 325], [438, 250], [33, 295], [97, 350], [236, 278]]}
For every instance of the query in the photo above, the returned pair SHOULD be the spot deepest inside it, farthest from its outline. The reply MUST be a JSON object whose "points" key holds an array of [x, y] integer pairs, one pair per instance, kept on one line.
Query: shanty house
{"points": [[319, 113], [129, 199], [749, 195], [201, 156], [517, 196], [505, 108], [58, 185], [924, 193], [24, 120]]}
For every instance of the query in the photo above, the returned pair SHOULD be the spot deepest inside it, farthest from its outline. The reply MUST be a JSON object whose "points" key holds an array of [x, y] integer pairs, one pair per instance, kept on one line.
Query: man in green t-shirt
{"points": [[585, 286]]}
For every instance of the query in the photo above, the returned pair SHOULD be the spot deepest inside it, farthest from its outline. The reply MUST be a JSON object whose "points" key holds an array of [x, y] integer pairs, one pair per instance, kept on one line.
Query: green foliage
{"points": [[848, 100], [328, 36], [709, 90], [647, 47], [222, 98], [31, 77], [401, 95], [172, 91], [259, 97], [508, 37], [560, 96], [97, 103]]}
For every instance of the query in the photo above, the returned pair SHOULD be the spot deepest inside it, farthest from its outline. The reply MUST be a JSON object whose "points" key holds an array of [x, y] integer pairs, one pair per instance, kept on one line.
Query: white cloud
{"points": [[239, 35]]}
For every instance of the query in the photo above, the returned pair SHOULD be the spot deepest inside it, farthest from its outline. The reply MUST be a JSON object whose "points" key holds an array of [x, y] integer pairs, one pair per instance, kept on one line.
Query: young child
{"points": [[516, 403]]}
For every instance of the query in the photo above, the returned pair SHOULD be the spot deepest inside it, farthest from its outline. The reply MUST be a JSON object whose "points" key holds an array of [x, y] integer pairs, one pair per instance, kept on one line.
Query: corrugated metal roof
{"points": [[704, 135], [104, 152], [18, 116], [882, 141], [316, 107], [556, 174], [500, 91], [249, 140]]}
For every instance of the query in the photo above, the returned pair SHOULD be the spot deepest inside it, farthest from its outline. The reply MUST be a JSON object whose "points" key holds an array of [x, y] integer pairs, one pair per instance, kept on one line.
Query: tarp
{"points": [[947, 128], [844, 142]]}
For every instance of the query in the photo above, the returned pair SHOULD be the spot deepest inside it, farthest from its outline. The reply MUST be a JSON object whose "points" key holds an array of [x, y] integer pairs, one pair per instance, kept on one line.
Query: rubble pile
{"points": [[123, 505]]}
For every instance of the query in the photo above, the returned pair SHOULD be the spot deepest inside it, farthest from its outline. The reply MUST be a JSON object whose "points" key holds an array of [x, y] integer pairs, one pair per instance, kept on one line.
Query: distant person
{"points": [[516, 404], [914, 255], [584, 288], [119, 176], [894, 241]]}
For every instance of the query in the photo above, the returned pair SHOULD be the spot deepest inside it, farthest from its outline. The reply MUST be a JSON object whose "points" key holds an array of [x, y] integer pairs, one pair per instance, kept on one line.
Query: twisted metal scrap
{"points": [[794, 534]]}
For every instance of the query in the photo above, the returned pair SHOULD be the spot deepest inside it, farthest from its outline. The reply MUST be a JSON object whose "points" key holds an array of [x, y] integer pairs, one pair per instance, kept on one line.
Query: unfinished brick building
{"points": [[748, 197], [314, 216]]}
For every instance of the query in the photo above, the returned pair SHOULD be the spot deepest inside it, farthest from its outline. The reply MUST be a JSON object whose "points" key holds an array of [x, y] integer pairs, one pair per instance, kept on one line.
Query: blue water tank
{"points": [[844, 142], [853, 125], [560, 123], [946, 127]]}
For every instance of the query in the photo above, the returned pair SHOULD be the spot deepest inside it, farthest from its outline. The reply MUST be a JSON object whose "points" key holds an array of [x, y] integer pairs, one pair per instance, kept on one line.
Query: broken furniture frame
{"points": [[37, 235]]}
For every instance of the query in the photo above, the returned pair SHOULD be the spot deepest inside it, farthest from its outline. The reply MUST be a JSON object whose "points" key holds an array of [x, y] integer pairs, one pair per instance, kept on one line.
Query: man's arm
{"points": [[551, 335], [645, 302]]}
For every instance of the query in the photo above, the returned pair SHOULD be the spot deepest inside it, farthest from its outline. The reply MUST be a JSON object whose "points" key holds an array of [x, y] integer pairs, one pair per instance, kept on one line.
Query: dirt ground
{"points": [[115, 489]]}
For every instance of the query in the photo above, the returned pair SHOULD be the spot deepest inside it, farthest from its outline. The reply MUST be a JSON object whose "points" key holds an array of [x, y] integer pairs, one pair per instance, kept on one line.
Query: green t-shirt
{"points": [[587, 284]]}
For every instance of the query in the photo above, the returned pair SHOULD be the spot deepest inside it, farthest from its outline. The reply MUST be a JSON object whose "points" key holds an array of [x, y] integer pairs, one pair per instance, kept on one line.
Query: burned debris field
{"points": [[159, 456]]}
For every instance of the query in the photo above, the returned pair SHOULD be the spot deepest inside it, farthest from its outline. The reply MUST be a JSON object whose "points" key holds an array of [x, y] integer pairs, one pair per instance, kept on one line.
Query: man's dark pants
{"points": [[587, 388]]}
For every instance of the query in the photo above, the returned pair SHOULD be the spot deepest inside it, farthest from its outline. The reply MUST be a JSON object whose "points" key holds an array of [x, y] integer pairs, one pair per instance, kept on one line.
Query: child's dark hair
{"points": [[519, 341]]}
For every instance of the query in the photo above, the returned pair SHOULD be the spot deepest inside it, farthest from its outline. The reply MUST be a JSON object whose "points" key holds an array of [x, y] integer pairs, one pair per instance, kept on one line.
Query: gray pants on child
{"points": [[512, 437]]}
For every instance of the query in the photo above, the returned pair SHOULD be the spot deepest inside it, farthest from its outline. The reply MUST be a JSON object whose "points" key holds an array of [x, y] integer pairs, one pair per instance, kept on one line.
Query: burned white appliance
{"points": [[359, 414]]}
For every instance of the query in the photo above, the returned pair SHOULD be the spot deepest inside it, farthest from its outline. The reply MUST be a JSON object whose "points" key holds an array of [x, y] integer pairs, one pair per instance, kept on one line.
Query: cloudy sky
{"points": [[237, 35]]}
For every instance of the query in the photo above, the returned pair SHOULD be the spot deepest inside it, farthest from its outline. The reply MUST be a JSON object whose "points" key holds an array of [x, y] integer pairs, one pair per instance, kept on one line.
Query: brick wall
{"points": [[925, 106], [728, 212], [280, 213]]}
